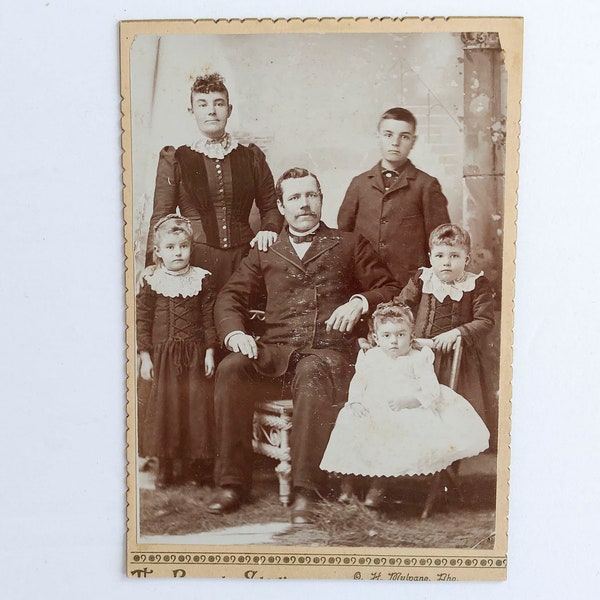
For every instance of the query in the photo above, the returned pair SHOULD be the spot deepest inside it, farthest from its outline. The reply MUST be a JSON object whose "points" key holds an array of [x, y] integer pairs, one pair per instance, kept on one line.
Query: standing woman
{"points": [[213, 182]]}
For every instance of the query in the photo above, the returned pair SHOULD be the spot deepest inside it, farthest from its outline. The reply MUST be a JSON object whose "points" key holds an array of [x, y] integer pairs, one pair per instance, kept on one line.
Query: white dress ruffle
{"points": [[432, 284], [174, 284], [409, 441]]}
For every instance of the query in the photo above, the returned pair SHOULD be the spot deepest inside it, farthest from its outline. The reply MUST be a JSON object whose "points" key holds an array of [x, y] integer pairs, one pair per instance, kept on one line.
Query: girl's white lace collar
{"points": [[172, 285], [215, 148], [433, 285]]}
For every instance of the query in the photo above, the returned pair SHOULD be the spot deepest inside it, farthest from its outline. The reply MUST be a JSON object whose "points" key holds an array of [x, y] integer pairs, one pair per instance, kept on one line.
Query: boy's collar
{"points": [[397, 170]]}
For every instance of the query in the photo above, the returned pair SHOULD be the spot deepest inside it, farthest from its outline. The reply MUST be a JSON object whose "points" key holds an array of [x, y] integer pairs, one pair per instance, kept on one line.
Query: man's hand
{"points": [[244, 343], [445, 341], [345, 317], [264, 239]]}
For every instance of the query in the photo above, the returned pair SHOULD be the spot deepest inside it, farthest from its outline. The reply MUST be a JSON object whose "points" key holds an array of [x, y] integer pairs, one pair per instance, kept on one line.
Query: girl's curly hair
{"points": [[395, 310]]}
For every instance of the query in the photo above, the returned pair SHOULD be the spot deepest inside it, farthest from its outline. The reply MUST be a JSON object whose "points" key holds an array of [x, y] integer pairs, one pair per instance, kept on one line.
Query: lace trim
{"points": [[218, 149], [171, 285], [433, 285]]}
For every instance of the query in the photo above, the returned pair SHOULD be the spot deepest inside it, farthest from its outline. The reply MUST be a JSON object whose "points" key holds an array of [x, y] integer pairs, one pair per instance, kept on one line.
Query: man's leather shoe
{"points": [[225, 499], [303, 507]]}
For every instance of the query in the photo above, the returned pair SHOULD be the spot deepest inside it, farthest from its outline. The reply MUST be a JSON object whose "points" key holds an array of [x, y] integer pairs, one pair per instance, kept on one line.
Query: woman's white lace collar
{"points": [[172, 285], [215, 148], [433, 285]]}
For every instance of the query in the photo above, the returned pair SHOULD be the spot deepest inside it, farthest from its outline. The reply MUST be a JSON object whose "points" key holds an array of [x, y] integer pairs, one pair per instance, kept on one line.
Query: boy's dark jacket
{"points": [[397, 222]]}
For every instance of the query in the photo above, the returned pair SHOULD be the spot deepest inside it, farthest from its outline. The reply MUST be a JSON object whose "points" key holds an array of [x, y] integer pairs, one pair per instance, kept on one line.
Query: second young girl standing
{"points": [[176, 340]]}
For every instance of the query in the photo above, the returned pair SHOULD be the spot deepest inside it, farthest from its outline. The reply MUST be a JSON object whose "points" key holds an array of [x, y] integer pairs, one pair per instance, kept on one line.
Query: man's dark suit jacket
{"points": [[397, 222], [302, 294]]}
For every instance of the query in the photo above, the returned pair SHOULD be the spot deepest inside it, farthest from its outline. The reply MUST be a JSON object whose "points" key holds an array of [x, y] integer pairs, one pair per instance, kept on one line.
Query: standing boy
{"points": [[395, 205]]}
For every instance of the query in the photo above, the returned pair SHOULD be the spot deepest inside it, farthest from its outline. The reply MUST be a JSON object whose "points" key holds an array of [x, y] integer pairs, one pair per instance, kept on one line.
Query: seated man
{"points": [[317, 282]]}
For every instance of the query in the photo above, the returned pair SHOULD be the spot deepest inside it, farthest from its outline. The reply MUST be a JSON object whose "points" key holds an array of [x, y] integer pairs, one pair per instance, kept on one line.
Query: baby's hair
{"points": [[171, 224], [206, 84], [399, 114], [450, 235], [392, 311]]}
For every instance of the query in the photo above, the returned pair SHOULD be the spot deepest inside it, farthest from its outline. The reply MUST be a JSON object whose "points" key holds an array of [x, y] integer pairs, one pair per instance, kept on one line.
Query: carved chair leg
{"points": [[284, 473]]}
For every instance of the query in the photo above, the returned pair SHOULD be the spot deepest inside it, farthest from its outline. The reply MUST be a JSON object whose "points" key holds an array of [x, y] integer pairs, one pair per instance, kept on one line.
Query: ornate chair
{"points": [[447, 480]]}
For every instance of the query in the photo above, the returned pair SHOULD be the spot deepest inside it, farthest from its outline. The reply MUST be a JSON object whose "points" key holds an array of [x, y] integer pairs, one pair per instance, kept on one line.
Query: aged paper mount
{"points": [[309, 93]]}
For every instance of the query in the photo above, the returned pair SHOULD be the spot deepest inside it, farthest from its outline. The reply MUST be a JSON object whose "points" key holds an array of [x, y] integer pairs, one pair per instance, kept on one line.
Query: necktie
{"points": [[301, 239]]}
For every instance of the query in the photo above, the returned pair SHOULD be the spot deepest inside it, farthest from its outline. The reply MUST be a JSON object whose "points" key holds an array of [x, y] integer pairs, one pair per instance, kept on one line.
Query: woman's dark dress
{"points": [[216, 195]]}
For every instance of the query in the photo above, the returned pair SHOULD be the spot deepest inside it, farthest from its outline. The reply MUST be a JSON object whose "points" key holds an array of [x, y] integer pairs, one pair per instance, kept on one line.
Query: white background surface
{"points": [[62, 372]]}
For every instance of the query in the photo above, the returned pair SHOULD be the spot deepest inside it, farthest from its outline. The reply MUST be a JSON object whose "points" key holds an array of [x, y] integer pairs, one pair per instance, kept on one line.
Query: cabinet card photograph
{"points": [[320, 254]]}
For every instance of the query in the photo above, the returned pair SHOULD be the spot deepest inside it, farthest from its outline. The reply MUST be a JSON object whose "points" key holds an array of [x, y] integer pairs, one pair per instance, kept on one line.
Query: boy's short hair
{"points": [[394, 310], [206, 84], [399, 114], [450, 234], [294, 173]]}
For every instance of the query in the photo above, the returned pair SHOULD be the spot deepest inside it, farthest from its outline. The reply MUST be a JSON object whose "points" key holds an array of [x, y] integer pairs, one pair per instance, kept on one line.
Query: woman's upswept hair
{"points": [[450, 234], [206, 84], [394, 310]]}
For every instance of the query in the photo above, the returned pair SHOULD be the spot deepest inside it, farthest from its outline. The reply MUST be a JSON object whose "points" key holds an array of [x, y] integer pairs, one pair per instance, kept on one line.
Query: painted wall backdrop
{"points": [[309, 100]]}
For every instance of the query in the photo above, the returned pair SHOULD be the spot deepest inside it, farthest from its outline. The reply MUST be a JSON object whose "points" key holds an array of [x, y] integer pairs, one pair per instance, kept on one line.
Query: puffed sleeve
{"points": [[264, 192], [166, 193], [483, 313], [207, 311], [145, 305], [348, 210], [429, 387]]}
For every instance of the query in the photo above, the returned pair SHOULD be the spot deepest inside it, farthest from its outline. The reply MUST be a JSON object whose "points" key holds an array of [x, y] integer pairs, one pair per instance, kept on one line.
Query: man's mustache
{"points": [[309, 213]]}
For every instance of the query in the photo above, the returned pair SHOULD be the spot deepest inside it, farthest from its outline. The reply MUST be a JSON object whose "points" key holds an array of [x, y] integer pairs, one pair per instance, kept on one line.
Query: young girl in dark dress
{"points": [[449, 301], [176, 339]]}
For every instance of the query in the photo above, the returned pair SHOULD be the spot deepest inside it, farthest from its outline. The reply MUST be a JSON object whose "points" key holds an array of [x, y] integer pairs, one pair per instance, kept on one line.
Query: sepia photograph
{"points": [[319, 243], [299, 300]]}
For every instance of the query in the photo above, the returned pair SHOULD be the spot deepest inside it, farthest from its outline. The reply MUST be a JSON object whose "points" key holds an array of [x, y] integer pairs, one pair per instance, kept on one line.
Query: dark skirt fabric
{"points": [[178, 415], [221, 263]]}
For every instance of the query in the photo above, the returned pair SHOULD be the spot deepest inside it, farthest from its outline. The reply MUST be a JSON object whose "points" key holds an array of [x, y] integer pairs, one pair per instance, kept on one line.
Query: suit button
{"points": [[382, 244], [383, 221]]}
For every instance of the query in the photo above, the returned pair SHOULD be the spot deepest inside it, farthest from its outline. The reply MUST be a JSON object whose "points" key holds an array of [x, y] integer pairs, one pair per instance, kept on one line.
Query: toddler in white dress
{"points": [[398, 419]]}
